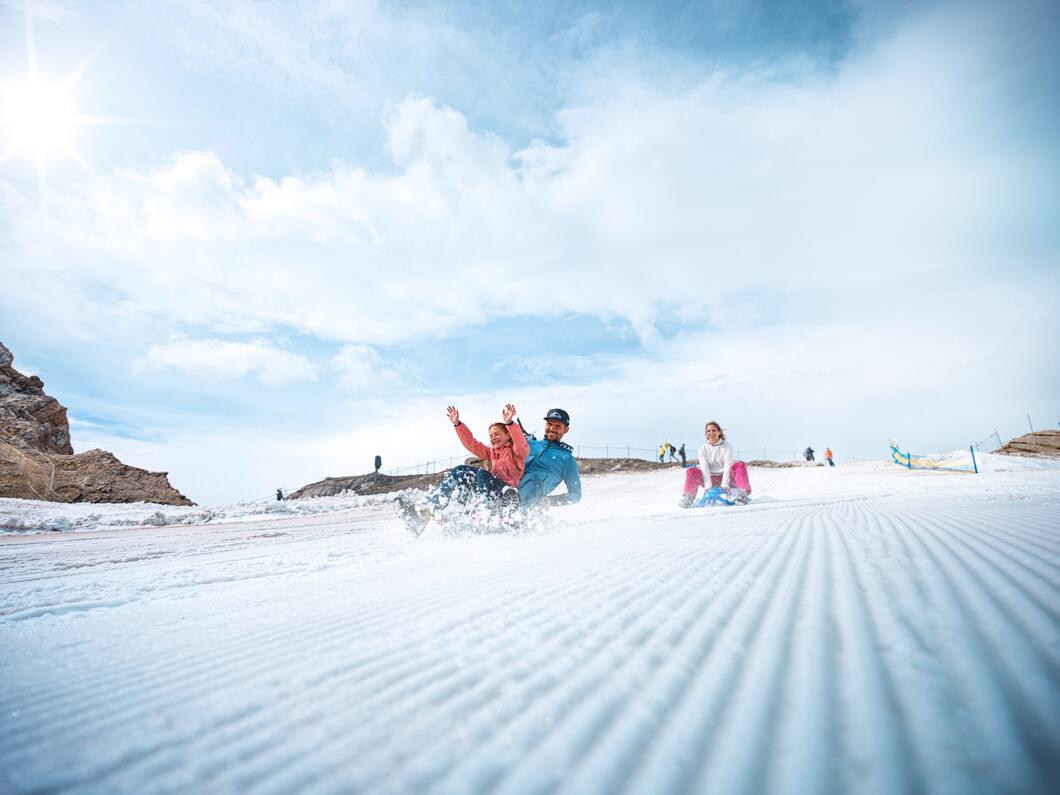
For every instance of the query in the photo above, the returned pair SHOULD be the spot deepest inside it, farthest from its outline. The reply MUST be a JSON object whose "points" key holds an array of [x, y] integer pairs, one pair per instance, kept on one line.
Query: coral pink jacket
{"points": [[506, 463]]}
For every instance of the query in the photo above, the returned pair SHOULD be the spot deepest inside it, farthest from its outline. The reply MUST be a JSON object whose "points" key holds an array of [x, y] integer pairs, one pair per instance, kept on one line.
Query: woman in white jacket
{"points": [[715, 460]]}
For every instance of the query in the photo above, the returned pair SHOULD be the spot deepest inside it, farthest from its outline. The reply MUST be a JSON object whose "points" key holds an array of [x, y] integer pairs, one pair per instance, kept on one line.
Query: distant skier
{"points": [[662, 453], [673, 452], [828, 456], [808, 454], [681, 452], [716, 462], [279, 494]]}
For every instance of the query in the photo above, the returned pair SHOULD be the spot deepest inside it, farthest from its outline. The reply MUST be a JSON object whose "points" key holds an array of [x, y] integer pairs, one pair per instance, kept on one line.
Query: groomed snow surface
{"points": [[862, 629]]}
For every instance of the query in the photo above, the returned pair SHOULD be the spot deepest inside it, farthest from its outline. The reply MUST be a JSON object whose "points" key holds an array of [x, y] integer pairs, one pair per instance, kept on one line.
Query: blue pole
{"points": [[975, 466]]}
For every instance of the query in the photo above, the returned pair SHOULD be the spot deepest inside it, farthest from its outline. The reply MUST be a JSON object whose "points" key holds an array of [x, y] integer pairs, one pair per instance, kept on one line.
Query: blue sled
{"points": [[715, 496]]}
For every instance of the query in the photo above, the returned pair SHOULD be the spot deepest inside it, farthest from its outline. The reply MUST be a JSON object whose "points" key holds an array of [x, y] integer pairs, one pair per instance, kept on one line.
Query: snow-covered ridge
{"points": [[34, 516], [868, 478]]}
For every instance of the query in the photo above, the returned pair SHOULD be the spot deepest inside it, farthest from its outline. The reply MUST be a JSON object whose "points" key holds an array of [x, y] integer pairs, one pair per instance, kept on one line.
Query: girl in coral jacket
{"points": [[506, 453]]}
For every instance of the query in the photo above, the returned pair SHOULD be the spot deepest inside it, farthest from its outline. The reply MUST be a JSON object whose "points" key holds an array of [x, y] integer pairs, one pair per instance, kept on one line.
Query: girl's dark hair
{"points": [[721, 433], [503, 425]]}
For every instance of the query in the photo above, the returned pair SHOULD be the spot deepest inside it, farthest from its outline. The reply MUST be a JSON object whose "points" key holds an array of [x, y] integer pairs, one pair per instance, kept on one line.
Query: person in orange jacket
{"points": [[828, 456]]}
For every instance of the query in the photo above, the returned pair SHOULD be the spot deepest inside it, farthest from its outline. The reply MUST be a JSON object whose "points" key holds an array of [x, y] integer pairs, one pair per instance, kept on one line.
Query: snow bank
{"points": [[1000, 474], [35, 516]]}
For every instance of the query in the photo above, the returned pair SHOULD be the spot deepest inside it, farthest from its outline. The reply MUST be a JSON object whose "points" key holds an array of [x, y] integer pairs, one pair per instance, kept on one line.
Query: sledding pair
{"points": [[534, 467], [521, 471], [716, 461]]}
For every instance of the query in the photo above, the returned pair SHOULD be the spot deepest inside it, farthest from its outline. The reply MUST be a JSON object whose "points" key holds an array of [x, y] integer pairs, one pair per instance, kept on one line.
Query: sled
{"points": [[720, 496]]}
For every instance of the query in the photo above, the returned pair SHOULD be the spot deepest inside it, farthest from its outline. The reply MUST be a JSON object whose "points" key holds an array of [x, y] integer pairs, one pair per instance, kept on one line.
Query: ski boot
{"points": [[414, 518]]}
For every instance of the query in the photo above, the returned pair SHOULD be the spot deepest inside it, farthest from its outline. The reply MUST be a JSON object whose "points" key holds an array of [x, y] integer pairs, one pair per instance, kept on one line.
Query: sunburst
{"points": [[39, 117]]}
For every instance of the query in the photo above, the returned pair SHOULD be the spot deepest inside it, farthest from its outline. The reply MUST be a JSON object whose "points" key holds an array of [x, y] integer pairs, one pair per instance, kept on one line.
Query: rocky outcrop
{"points": [[1040, 444], [364, 484], [37, 461], [35, 420]]}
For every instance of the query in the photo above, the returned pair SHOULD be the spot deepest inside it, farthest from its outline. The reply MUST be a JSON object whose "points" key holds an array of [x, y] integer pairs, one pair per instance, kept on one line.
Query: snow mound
{"points": [[35, 516]]}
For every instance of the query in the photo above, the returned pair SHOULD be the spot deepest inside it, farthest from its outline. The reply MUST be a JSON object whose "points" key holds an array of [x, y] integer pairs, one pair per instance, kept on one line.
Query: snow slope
{"points": [[860, 629]]}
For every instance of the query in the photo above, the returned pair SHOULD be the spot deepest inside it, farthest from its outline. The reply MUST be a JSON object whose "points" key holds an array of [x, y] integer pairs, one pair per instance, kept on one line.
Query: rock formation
{"points": [[364, 484], [38, 462], [382, 484], [1040, 444], [27, 414]]}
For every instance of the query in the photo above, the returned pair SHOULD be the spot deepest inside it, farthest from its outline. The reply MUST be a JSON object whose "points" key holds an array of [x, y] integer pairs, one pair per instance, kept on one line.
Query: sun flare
{"points": [[38, 117]]}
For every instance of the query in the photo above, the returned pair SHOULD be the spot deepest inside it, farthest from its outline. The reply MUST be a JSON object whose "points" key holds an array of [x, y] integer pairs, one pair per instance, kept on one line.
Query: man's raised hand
{"points": [[454, 415], [508, 412]]}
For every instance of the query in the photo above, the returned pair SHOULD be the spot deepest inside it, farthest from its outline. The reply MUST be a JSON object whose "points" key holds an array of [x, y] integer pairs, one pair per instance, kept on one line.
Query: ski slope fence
{"points": [[954, 462], [434, 465], [989, 444]]}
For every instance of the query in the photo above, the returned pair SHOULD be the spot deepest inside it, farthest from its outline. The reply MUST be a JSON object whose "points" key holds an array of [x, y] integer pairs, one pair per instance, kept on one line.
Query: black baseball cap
{"points": [[558, 414]]}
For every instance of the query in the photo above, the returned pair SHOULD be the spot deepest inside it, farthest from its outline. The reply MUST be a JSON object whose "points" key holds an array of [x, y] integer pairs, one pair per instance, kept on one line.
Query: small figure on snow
{"points": [[828, 456], [681, 452], [716, 460], [662, 453], [808, 454], [673, 452]]}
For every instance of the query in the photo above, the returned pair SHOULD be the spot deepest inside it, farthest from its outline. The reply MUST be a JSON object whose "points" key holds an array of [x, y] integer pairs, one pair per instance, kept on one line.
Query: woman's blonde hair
{"points": [[721, 433]]}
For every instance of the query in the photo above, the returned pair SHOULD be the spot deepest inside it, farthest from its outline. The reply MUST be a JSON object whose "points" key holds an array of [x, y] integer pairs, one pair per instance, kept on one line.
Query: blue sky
{"points": [[298, 231]]}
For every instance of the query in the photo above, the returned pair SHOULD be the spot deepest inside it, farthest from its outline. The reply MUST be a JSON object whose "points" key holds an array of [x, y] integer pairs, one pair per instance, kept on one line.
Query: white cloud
{"points": [[685, 197], [361, 369], [219, 360]]}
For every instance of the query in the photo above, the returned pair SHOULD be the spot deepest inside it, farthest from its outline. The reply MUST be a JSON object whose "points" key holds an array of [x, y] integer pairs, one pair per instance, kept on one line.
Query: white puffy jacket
{"points": [[716, 459]]}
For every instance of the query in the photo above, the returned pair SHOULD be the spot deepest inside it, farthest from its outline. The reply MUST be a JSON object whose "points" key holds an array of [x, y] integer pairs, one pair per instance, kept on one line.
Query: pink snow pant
{"points": [[737, 478]]}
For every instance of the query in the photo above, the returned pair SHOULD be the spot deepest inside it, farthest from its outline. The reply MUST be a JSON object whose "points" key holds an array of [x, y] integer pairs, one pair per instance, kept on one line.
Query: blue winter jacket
{"points": [[548, 464]]}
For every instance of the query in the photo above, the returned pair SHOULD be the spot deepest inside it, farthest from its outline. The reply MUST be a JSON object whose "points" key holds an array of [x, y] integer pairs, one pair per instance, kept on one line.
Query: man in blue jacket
{"points": [[551, 462]]}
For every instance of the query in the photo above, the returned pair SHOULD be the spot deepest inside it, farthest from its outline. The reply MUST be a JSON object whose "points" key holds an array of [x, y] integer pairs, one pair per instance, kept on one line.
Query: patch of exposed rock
{"points": [[783, 464], [37, 461], [1040, 444], [33, 419], [382, 484], [598, 466], [364, 484]]}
